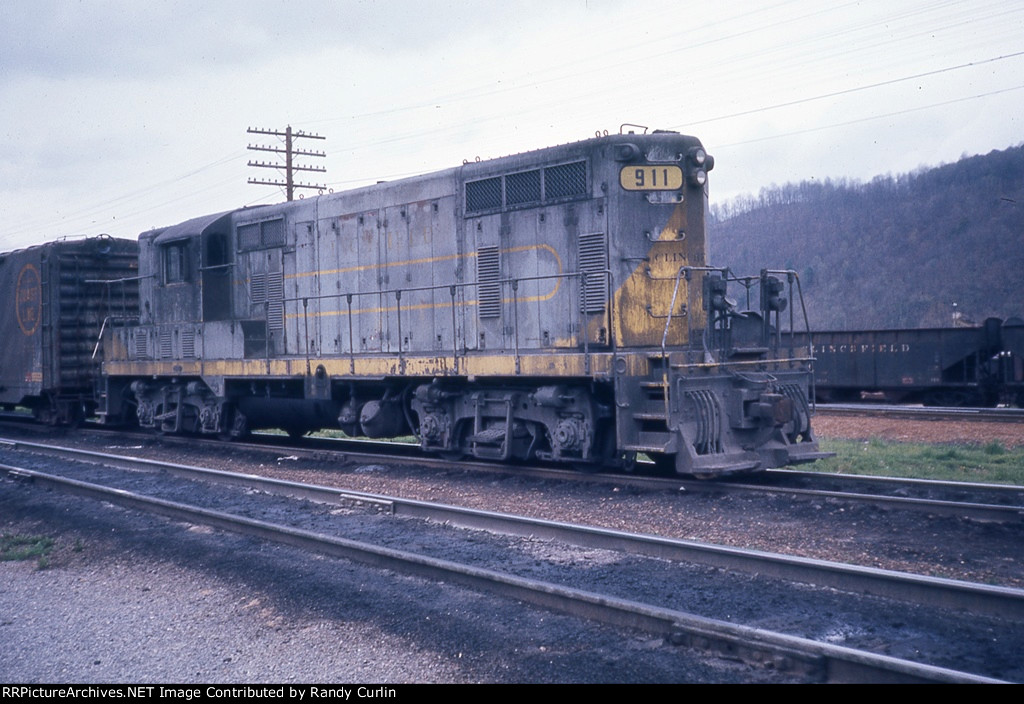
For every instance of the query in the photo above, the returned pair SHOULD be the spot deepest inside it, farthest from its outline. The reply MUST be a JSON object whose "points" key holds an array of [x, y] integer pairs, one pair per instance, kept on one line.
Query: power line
{"points": [[289, 152], [870, 118], [847, 91]]}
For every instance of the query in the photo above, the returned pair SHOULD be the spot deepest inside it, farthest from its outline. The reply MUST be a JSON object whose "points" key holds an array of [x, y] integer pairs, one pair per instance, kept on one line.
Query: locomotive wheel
{"points": [[234, 425], [458, 451], [158, 425]]}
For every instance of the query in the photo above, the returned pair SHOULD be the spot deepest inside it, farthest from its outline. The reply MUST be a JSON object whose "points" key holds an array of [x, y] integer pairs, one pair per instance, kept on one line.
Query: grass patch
{"points": [[26, 547], [991, 463]]}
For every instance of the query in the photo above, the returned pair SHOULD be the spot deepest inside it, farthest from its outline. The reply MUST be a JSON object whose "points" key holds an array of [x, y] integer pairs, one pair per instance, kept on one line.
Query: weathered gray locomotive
{"points": [[554, 304]]}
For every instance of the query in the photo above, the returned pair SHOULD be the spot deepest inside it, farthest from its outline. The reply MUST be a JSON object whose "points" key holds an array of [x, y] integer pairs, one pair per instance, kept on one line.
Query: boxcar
{"points": [[58, 301]]}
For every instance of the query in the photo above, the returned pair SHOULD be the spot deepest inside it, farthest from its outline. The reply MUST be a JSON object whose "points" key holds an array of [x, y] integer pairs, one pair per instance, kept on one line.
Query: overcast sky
{"points": [[118, 116]]}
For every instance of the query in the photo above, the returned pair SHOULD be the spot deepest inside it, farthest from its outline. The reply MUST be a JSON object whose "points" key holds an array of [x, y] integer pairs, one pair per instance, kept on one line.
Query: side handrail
{"points": [[453, 289]]}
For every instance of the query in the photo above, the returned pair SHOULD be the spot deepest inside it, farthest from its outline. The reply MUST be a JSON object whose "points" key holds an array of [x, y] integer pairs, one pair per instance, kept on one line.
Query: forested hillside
{"points": [[896, 252]]}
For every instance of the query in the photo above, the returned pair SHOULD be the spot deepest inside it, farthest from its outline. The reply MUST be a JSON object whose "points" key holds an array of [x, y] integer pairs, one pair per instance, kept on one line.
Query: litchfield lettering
{"points": [[862, 349]]}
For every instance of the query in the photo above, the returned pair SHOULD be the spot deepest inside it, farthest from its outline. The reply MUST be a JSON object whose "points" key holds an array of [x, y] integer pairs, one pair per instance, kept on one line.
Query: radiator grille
{"points": [[272, 232], [483, 195], [550, 184], [522, 188], [565, 180], [257, 235], [249, 236]]}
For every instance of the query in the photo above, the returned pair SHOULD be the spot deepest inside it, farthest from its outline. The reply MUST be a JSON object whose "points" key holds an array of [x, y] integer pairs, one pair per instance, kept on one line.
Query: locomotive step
{"points": [[492, 436], [654, 442]]}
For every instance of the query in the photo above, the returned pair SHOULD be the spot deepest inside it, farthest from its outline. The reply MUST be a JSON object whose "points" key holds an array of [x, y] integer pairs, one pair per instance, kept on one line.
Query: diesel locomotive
{"points": [[551, 305]]}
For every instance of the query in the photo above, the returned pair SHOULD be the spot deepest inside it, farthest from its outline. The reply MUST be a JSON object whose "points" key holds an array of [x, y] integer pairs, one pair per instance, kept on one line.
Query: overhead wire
{"points": [[787, 58], [869, 118]]}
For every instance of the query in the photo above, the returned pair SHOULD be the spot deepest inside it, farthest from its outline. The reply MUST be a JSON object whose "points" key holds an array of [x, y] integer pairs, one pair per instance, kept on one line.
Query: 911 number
{"points": [[651, 178]]}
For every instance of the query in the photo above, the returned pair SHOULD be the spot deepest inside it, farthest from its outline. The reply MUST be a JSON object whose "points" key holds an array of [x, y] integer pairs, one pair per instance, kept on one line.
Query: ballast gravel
{"points": [[270, 614], [132, 598]]}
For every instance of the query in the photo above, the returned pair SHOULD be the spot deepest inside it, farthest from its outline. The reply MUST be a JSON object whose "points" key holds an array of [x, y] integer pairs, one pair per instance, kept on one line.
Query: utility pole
{"points": [[290, 152]]}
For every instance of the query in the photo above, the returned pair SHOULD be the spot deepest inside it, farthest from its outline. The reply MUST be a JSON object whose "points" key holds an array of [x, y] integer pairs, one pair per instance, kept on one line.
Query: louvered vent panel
{"points": [[593, 259], [488, 277], [258, 289], [188, 343], [275, 298], [165, 344], [141, 345]]}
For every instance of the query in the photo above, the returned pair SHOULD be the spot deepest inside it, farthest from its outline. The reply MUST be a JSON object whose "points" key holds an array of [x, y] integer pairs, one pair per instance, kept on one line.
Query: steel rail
{"points": [[355, 450], [1004, 602], [830, 663], [1007, 491], [998, 415], [997, 513], [405, 453]]}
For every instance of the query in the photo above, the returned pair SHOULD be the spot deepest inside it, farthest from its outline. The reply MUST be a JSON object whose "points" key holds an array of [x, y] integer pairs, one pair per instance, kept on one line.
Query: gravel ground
{"points": [[151, 591], [927, 431], [829, 530], [131, 598]]}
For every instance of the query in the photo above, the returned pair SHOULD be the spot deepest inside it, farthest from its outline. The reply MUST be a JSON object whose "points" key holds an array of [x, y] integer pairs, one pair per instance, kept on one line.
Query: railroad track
{"points": [[830, 662], [982, 502], [966, 415]]}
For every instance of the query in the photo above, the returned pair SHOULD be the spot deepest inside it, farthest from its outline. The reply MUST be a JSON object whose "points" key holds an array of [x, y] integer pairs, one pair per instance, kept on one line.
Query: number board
{"points": [[651, 178]]}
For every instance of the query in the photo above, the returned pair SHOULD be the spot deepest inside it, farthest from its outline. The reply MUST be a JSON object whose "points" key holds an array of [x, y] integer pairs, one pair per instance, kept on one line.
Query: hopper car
{"points": [[979, 366]]}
